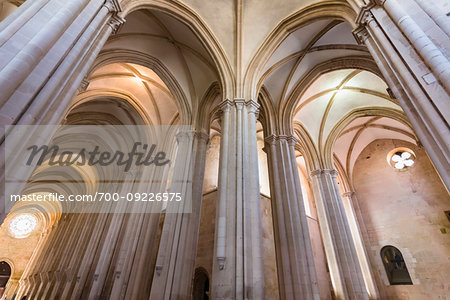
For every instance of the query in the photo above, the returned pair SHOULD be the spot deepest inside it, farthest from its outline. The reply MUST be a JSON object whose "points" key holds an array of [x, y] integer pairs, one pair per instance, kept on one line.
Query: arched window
{"points": [[5, 273], [395, 266], [201, 285]]}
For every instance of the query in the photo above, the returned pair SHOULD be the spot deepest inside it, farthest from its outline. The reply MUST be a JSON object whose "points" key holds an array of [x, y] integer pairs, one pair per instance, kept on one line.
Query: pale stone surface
{"points": [[405, 209], [271, 288], [247, 64], [205, 248]]}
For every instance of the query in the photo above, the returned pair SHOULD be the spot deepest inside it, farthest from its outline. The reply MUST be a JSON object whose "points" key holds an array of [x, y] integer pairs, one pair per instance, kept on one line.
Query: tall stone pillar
{"points": [[345, 271], [26, 280], [46, 54], [422, 110], [238, 270], [46, 51], [88, 254], [54, 263], [357, 229], [295, 262], [114, 251], [436, 14], [432, 56], [175, 264]]}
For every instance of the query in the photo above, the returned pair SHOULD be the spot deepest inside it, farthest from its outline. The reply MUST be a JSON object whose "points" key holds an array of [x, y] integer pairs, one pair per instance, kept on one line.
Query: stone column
{"points": [[125, 267], [238, 270], [45, 53], [25, 280], [349, 200], [175, 263], [67, 263], [437, 15], [45, 271], [101, 265], [433, 57], [295, 262], [11, 288], [345, 272], [428, 122]]}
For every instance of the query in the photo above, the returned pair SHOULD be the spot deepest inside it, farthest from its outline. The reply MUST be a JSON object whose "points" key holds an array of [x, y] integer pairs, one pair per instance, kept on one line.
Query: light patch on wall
{"points": [[401, 158], [22, 225]]}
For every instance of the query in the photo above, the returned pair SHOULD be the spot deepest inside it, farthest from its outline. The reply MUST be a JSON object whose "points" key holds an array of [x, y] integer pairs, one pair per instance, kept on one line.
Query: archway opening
{"points": [[201, 285], [395, 266], [5, 274]]}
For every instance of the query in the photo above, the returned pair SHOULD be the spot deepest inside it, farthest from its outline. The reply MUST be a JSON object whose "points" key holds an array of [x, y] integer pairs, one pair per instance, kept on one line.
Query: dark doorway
{"points": [[201, 285], [395, 266], [5, 273]]}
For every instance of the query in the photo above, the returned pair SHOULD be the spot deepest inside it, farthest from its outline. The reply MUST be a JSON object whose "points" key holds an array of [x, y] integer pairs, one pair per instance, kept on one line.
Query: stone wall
{"points": [[17, 252], [405, 209], [270, 260], [205, 249]]}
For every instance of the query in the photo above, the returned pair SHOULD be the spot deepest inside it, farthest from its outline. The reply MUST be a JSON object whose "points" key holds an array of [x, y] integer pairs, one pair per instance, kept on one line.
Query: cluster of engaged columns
{"points": [[345, 272], [45, 53], [178, 245], [295, 261], [420, 79], [112, 254], [238, 270]]}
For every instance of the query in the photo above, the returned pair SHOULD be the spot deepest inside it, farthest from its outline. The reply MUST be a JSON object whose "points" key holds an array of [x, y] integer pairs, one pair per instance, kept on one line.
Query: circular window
{"points": [[22, 225], [401, 158]]}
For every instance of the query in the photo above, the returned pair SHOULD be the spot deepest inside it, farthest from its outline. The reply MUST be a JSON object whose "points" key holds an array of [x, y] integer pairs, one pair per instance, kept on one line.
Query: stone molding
{"points": [[113, 6], [348, 194], [272, 139], [319, 172], [202, 135], [252, 107], [115, 22], [225, 106], [183, 136], [84, 85], [365, 16], [239, 103]]}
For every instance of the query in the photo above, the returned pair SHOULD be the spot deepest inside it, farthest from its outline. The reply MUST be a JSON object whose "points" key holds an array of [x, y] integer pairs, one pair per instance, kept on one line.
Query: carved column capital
{"points": [[379, 2], [315, 173], [318, 172], [115, 22], [252, 107], [361, 34], [292, 140], [365, 16], [225, 106], [270, 140], [183, 136], [202, 135], [239, 103], [348, 194], [113, 6], [331, 172], [84, 85]]}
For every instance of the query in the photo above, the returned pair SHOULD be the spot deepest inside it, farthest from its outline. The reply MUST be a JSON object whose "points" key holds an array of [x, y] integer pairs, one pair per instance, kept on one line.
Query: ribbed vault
{"points": [[139, 86], [153, 36]]}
